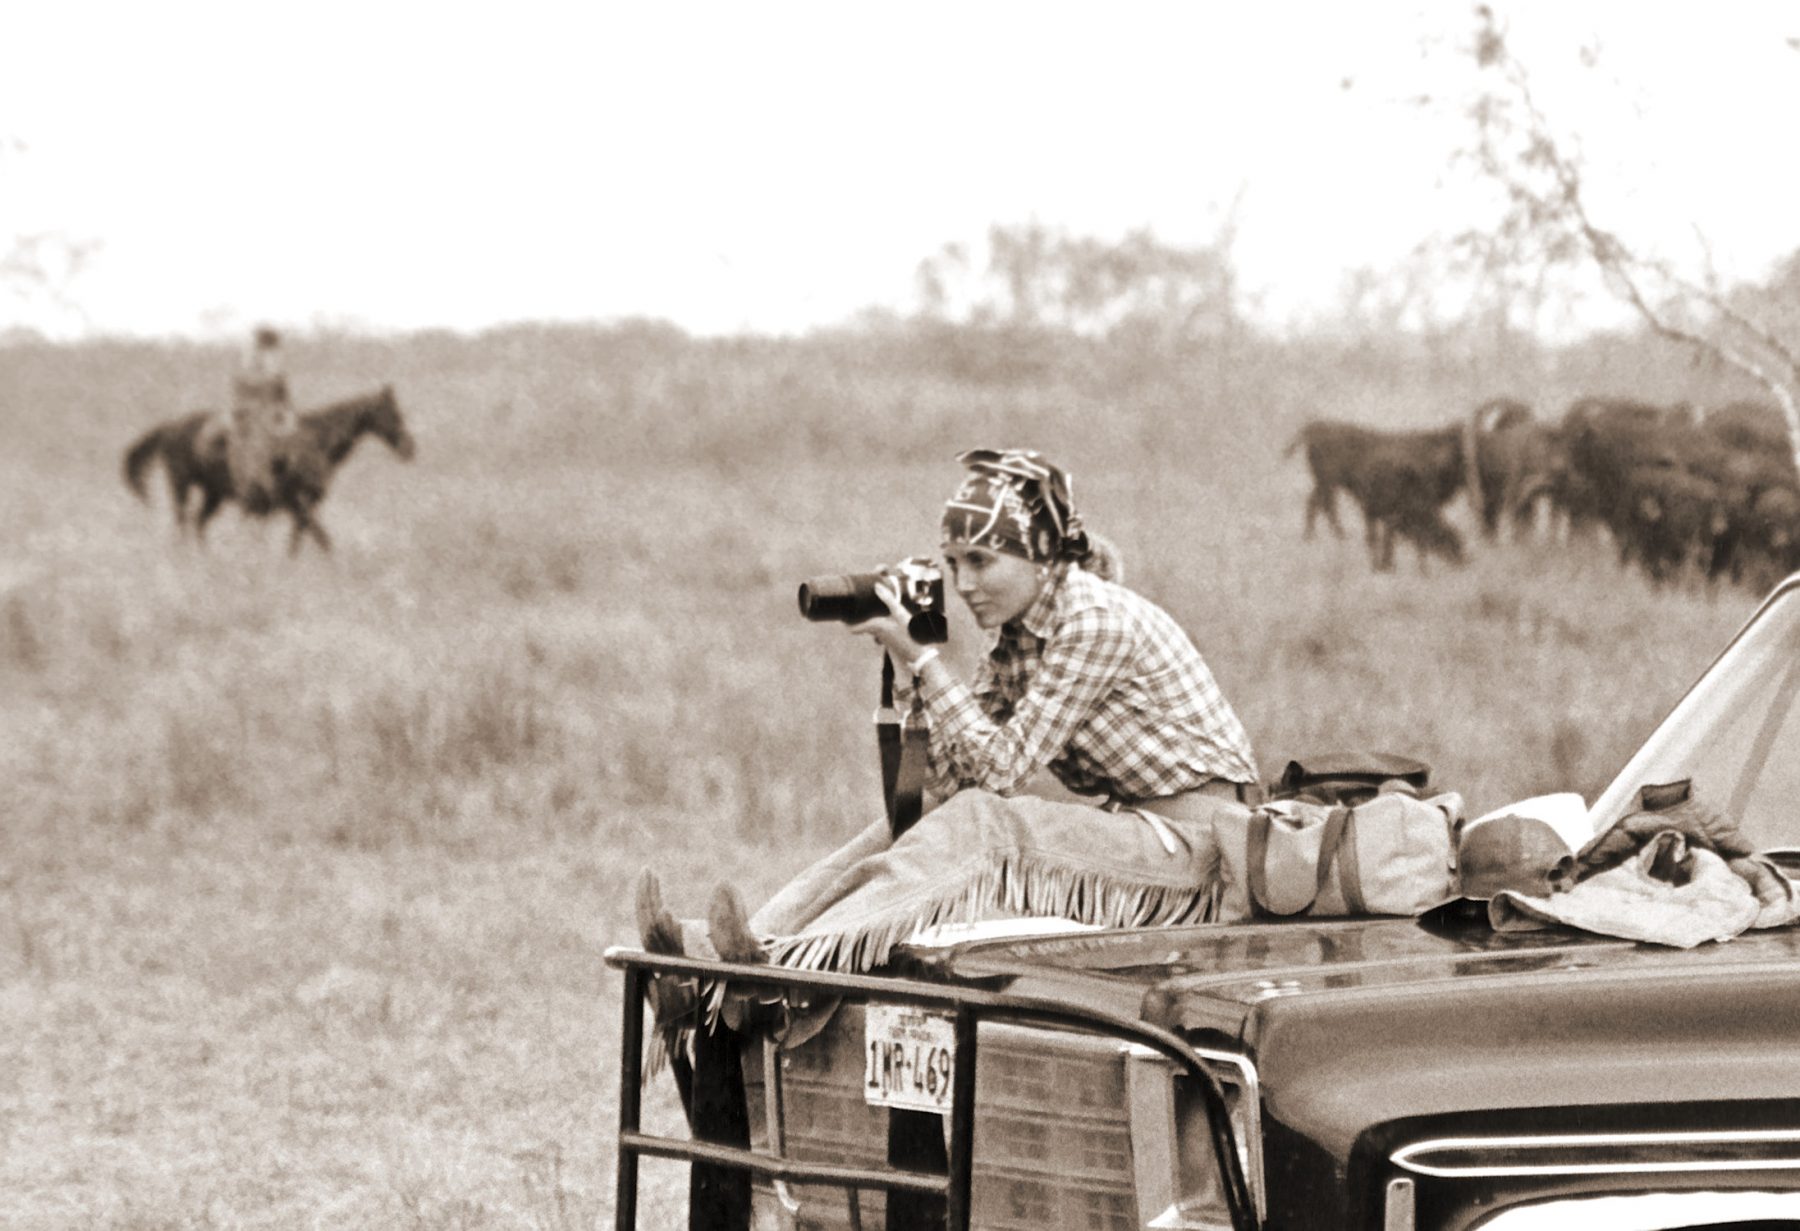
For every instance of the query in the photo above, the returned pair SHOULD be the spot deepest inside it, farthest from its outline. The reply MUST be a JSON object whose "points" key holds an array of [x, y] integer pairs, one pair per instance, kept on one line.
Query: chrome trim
{"points": [[1624, 1211], [1400, 1211], [1249, 1101], [1412, 1156]]}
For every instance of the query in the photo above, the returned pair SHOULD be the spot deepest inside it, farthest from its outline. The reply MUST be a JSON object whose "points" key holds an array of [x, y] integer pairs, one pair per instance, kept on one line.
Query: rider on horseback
{"points": [[262, 417]]}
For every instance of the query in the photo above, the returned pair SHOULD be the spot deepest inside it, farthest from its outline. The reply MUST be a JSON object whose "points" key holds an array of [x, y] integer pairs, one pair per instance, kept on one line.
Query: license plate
{"points": [[909, 1057]]}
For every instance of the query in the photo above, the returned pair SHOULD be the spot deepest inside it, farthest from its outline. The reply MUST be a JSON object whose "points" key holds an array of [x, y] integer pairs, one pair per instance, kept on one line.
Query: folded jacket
{"points": [[1674, 871]]}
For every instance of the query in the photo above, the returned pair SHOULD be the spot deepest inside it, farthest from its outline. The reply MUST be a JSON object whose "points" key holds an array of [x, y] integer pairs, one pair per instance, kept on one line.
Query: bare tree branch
{"points": [[1544, 187]]}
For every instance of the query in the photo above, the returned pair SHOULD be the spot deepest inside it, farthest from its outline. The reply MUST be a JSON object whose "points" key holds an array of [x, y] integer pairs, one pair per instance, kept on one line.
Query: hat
{"points": [[1018, 502], [1512, 852]]}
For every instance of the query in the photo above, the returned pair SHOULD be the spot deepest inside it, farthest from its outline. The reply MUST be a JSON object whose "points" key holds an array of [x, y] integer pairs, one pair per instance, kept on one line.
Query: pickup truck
{"points": [[1378, 1073]]}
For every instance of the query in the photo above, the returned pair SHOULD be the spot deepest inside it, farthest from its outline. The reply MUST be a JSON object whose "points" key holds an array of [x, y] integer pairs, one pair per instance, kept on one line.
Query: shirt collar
{"points": [[1040, 618]]}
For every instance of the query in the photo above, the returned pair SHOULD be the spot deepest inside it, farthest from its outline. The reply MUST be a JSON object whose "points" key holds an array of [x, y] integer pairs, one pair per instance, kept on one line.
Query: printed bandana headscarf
{"points": [[1012, 500]]}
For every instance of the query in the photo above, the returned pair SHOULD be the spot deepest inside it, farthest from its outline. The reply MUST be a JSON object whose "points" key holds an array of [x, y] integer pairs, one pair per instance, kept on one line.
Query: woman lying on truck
{"points": [[1086, 679]]}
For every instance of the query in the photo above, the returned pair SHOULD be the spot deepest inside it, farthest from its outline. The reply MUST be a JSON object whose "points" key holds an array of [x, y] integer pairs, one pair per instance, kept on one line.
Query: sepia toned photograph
{"points": [[816, 617]]}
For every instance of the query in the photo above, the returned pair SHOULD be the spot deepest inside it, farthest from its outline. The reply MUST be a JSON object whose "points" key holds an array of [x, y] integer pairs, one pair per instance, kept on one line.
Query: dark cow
{"points": [[1606, 440], [1334, 451], [1672, 522], [1399, 513], [1521, 465], [1770, 549], [1400, 480], [1743, 449]]}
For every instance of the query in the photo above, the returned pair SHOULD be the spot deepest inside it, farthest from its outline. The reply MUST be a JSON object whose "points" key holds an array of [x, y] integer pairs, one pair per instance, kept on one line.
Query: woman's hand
{"points": [[890, 630]]}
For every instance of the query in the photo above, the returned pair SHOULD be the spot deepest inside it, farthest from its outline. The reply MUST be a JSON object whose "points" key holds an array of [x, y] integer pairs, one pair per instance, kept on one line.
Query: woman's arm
{"points": [[1081, 666], [944, 775]]}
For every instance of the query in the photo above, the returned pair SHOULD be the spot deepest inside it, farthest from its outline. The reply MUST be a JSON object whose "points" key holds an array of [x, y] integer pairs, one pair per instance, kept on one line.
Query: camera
{"points": [[851, 598]]}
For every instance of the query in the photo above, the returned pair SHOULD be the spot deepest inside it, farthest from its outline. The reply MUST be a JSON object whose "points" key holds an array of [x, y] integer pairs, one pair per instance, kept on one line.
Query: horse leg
{"points": [[1381, 545], [209, 506], [304, 523], [178, 500]]}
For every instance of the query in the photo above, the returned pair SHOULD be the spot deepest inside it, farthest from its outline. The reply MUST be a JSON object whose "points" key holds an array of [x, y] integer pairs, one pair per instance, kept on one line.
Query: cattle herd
{"points": [[1683, 495]]}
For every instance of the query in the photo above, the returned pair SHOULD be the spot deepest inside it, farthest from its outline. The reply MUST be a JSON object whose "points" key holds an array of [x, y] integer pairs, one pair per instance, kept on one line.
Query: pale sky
{"points": [[776, 166]]}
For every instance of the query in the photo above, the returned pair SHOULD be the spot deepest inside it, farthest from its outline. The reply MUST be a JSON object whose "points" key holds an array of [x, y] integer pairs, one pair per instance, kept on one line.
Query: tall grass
{"points": [[308, 864]]}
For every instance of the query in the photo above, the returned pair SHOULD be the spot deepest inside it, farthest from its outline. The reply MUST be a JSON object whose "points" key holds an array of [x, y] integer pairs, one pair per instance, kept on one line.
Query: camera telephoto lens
{"points": [[848, 597]]}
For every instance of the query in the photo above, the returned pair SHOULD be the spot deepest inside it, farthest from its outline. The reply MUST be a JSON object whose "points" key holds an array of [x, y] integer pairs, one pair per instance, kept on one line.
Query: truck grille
{"points": [[1052, 1129]]}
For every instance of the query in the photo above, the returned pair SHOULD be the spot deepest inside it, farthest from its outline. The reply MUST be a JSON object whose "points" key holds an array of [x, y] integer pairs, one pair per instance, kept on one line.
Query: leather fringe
{"points": [[676, 1037], [1010, 881]]}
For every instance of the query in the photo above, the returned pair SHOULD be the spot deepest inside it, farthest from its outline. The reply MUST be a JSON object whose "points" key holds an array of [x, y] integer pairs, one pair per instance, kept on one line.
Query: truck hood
{"points": [[1346, 1020]]}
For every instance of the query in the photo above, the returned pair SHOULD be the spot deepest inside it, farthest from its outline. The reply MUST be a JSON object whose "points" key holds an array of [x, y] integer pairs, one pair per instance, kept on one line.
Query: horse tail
{"points": [[145, 450]]}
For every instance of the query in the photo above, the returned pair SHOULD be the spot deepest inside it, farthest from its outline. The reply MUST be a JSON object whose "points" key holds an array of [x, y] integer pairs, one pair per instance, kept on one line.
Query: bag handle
{"points": [[1344, 851], [1331, 842]]}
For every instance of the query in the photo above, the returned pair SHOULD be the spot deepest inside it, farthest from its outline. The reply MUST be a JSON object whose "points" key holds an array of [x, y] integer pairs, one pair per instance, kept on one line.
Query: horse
{"points": [[192, 449]]}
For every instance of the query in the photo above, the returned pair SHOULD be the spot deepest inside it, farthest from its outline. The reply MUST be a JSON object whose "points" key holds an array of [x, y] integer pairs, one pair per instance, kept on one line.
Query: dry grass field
{"points": [[308, 864]]}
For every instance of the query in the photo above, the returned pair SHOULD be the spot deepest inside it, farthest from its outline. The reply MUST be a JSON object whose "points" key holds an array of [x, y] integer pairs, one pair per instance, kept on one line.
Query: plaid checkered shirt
{"points": [[1100, 685]]}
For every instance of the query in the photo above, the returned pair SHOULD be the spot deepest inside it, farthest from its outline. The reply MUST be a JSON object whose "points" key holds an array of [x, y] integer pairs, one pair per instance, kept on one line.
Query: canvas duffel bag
{"points": [[1391, 855]]}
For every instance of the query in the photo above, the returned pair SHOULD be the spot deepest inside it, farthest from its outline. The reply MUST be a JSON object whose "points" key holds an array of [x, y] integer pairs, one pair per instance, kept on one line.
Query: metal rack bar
{"points": [[793, 1171], [971, 1006], [631, 1082]]}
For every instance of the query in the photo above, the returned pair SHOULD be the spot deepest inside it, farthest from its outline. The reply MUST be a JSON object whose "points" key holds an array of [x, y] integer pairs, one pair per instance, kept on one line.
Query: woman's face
{"points": [[996, 586]]}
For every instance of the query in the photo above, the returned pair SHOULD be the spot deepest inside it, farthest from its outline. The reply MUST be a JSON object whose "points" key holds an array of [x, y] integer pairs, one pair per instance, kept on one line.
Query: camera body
{"points": [[851, 598]]}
